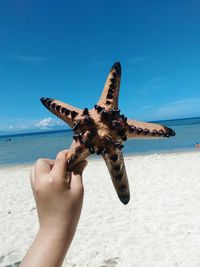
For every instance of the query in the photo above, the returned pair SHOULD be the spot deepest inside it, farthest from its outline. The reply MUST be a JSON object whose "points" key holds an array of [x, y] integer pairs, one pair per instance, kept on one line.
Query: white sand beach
{"points": [[159, 227]]}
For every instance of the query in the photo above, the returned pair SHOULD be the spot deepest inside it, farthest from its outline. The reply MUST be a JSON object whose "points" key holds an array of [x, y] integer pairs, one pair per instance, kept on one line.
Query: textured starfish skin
{"points": [[103, 129]]}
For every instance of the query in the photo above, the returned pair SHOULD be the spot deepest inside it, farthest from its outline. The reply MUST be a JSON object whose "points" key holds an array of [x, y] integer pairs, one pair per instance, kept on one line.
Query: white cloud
{"points": [[188, 107], [139, 59], [182, 108], [27, 58], [25, 125], [151, 85], [99, 64], [47, 123]]}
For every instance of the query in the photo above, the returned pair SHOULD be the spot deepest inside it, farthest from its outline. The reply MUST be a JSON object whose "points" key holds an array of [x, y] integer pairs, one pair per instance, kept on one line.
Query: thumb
{"points": [[60, 166], [79, 168], [76, 178]]}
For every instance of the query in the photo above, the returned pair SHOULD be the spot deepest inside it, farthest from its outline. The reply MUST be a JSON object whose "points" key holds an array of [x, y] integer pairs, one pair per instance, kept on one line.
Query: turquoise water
{"points": [[26, 148]]}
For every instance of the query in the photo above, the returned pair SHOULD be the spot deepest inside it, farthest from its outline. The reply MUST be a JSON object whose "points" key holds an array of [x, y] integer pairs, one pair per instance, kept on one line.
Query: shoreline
{"points": [[98, 158], [160, 226]]}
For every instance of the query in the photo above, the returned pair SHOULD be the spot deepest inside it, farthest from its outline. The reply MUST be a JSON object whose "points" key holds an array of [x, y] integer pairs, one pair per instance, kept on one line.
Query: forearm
{"points": [[48, 249]]}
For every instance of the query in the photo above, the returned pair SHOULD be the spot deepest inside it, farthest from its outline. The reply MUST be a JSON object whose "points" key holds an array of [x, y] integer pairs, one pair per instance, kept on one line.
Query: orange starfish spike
{"points": [[103, 129]]}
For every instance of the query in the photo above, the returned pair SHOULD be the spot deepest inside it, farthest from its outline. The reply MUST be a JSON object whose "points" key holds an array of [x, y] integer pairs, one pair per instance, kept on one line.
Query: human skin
{"points": [[59, 196]]}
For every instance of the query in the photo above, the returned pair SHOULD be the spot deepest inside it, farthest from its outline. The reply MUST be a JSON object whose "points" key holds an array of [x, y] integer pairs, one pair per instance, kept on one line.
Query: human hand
{"points": [[58, 196], [58, 193]]}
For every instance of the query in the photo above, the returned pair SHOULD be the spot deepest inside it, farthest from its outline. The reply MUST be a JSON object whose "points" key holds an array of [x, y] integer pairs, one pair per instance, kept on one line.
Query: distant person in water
{"points": [[197, 145], [58, 195]]}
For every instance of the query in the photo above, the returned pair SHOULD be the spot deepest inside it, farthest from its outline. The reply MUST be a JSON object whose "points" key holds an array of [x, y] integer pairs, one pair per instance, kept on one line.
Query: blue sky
{"points": [[64, 49]]}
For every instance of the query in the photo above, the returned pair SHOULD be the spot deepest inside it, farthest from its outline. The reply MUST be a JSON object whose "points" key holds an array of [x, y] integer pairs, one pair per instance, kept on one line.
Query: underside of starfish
{"points": [[103, 129]]}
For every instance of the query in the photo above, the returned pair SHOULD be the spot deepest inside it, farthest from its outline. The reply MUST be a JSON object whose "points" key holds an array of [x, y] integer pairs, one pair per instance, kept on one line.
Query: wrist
{"points": [[58, 226], [51, 231], [49, 247], [56, 232]]}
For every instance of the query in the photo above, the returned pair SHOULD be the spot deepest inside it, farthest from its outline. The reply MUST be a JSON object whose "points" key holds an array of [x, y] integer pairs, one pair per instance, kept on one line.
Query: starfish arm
{"points": [[117, 170], [110, 94], [62, 110], [138, 129], [77, 152]]}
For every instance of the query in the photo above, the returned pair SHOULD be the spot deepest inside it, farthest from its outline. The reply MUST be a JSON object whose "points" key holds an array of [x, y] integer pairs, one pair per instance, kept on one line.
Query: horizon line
{"points": [[68, 130]]}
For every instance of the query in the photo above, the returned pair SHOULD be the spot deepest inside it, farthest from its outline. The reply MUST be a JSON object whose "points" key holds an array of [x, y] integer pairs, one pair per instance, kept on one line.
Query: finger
{"points": [[41, 167], [50, 162], [60, 165], [76, 178]]}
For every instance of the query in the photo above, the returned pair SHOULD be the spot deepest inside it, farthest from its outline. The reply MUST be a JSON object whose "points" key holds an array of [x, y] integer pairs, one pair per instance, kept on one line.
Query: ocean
{"points": [[27, 148]]}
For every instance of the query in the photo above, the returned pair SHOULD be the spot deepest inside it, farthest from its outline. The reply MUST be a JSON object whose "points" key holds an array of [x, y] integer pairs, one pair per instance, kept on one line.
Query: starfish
{"points": [[103, 129]]}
